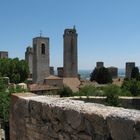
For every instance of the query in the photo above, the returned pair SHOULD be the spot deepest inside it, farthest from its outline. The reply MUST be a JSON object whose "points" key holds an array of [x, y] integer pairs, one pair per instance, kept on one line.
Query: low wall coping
{"points": [[83, 107], [43, 117]]}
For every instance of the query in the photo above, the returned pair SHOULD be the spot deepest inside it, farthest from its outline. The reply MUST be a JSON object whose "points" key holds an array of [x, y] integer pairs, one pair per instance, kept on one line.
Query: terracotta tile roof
{"points": [[52, 77], [41, 87], [73, 83]]}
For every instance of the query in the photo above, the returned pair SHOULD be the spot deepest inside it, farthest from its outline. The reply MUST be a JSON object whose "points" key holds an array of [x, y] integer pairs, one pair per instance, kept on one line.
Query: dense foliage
{"points": [[5, 93], [65, 92], [89, 90], [101, 75], [133, 86], [112, 93], [135, 73], [17, 70], [4, 102]]}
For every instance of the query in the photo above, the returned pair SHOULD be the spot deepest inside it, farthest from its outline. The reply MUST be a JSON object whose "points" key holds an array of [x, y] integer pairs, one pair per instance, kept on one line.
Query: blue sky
{"points": [[108, 30]]}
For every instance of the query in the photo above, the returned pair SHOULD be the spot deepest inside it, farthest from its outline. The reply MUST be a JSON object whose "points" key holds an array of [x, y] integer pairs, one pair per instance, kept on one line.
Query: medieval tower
{"points": [[29, 59], [128, 69], [41, 64], [3, 54], [70, 53]]}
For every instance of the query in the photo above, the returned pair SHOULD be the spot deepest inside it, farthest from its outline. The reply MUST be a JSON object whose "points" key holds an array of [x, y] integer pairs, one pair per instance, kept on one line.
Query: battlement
{"points": [[69, 31]]}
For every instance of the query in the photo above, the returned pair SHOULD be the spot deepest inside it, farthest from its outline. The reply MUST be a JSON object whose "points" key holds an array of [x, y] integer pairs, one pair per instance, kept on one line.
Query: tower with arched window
{"points": [[41, 64]]}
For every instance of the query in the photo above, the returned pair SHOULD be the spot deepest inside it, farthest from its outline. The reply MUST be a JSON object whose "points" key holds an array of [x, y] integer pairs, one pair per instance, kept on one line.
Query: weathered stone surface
{"points": [[2, 134], [137, 129], [45, 118], [121, 128]]}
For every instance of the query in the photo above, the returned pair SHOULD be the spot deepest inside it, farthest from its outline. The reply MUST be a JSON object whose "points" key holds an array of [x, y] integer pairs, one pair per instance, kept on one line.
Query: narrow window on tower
{"points": [[34, 48], [42, 48]]}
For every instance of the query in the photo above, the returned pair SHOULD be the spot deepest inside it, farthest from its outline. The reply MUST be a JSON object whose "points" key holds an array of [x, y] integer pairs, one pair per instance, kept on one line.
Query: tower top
{"points": [[70, 31], [40, 33]]}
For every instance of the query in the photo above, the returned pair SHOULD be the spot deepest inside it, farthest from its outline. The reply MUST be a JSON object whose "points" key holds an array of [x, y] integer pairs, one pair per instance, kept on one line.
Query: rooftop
{"points": [[52, 77], [41, 87]]}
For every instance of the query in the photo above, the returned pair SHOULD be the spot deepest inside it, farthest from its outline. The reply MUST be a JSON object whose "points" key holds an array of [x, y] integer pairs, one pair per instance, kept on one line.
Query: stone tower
{"points": [[29, 59], [128, 69], [113, 71], [3, 54], [70, 53], [41, 62], [99, 64]]}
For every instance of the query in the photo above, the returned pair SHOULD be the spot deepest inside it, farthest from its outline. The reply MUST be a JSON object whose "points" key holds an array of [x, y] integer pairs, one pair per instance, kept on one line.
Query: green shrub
{"points": [[133, 86], [112, 93], [89, 90], [65, 92], [125, 92]]}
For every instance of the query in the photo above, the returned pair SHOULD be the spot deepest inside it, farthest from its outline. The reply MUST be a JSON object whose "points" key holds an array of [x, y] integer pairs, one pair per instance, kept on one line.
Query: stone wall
{"points": [[2, 135], [46, 118], [126, 102]]}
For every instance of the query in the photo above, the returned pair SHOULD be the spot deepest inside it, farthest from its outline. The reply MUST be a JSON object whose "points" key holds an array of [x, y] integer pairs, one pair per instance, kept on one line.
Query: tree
{"points": [[135, 73], [17, 70], [101, 75], [132, 85], [5, 93], [93, 75]]}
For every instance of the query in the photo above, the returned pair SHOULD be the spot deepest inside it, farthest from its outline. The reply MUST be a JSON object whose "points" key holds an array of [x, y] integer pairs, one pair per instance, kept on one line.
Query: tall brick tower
{"points": [[70, 53], [41, 62]]}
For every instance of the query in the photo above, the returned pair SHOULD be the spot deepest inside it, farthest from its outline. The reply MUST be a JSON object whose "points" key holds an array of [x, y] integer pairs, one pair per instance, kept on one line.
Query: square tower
{"points": [[70, 53], [128, 69], [41, 62], [3, 54], [29, 59], [99, 64]]}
